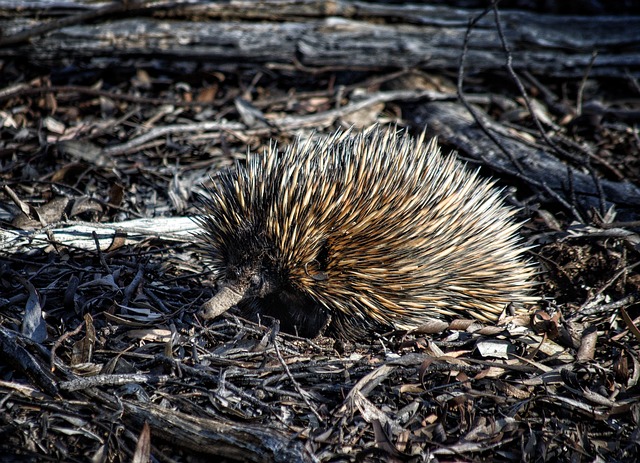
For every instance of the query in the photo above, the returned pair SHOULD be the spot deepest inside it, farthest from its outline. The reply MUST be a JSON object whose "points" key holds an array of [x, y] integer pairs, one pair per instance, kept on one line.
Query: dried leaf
{"points": [[207, 94], [33, 324], [85, 151], [494, 348], [82, 351], [143, 446]]}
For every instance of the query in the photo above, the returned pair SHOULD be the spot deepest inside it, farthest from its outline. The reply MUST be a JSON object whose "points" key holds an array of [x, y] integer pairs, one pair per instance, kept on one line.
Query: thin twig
{"points": [[465, 102], [463, 99], [535, 118], [58, 343], [583, 83], [302, 393]]}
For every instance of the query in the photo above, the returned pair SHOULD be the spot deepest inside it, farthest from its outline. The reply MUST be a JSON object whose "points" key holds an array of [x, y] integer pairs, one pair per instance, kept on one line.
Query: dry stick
{"points": [[80, 18], [302, 393], [287, 122], [602, 200], [589, 302], [551, 101], [144, 232], [59, 342], [335, 94], [603, 162], [327, 117], [169, 129], [583, 83], [633, 81], [463, 99], [572, 189], [592, 172], [77, 384], [631, 224], [527, 101], [625, 301], [24, 90], [103, 261], [524, 93]]}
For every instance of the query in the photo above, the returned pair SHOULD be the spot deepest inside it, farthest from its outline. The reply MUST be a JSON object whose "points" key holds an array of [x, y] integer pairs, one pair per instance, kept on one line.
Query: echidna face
{"points": [[249, 269], [261, 293], [251, 277]]}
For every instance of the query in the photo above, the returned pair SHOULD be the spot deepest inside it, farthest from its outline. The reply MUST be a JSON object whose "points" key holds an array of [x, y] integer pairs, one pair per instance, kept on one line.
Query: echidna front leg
{"points": [[298, 314]]}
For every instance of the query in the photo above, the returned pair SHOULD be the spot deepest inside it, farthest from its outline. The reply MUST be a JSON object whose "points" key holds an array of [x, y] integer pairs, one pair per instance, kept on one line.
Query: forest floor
{"points": [[105, 358]]}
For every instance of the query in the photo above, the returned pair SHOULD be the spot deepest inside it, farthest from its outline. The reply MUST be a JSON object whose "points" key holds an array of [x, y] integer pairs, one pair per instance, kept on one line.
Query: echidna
{"points": [[361, 233]]}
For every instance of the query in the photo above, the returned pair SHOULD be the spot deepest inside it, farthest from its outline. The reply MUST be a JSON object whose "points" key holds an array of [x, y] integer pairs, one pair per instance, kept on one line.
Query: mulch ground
{"points": [[105, 359]]}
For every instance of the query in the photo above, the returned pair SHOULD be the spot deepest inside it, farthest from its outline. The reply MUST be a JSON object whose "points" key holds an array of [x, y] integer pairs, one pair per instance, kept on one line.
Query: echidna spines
{"points": [[362, 232]]}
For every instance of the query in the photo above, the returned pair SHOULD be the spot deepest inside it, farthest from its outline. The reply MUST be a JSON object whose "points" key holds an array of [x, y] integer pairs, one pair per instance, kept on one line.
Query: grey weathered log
{"points": [[211, 436], [225, 440], [331, 33], [81, 235], [455, 126]]}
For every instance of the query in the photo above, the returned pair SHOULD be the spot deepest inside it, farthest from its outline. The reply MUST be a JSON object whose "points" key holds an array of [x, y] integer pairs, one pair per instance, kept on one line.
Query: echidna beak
{"points": [[224, 299]]}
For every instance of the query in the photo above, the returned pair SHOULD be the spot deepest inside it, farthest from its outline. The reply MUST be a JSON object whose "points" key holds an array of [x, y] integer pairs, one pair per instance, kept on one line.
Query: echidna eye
{"points": [[232, 273], [255, 281]]}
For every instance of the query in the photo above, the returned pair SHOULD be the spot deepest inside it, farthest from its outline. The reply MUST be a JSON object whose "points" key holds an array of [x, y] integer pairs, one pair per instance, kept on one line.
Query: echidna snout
{"points": [[360, 233]]}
